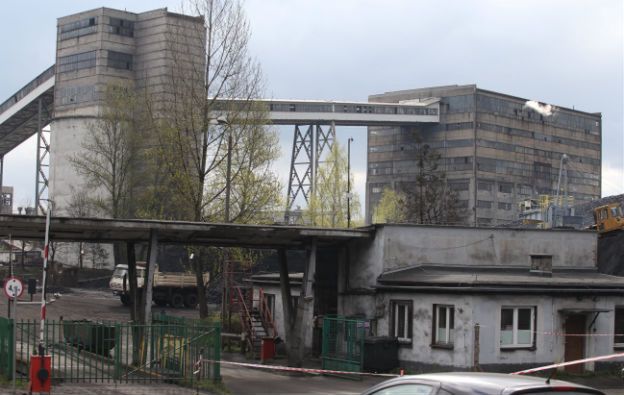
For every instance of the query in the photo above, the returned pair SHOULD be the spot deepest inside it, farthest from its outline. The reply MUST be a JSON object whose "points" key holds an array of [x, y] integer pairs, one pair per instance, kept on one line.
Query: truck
{"points": [[169, 288], [608, 218]]}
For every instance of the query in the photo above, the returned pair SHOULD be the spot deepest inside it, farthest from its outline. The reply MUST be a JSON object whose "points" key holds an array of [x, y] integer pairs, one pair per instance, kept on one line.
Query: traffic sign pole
{"points": [[46, 248]]}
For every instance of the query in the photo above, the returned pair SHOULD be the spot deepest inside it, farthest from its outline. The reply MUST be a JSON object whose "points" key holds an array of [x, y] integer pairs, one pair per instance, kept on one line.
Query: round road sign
{"points": [[13, 287]]}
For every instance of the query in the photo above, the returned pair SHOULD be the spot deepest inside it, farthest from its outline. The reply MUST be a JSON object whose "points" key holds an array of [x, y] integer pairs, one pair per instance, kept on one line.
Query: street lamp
{"points": [[221, 120], [349, 182]]}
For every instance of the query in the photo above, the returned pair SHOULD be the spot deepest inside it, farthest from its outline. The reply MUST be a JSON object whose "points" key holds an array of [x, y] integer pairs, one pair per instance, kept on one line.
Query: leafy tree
{"points": [[328, 203], [391, 207]]}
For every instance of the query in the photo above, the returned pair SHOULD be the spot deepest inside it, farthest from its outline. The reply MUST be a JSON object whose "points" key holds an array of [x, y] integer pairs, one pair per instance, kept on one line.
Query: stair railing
{"points": [[266, 316], [245, 318]]}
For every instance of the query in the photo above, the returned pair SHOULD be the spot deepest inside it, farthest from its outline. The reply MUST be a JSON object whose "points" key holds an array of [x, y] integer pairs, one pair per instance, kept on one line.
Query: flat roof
{"points": [[104, 230]]}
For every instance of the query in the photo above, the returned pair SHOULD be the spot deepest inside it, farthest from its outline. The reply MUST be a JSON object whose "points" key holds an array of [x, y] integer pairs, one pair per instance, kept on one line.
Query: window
{"points": [[618, 340], [443, 325], [484, 186], [401, 325], [75, 62], [484, 204], [517, 327], [505, 188], [504, 206], [541, 263], [119, 60]]}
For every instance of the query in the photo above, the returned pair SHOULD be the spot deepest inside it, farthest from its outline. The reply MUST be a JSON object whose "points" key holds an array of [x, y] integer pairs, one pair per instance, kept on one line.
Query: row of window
{"points": [[538, 136], [82, 27], [85, 60], [352, 108], [517, 325]]}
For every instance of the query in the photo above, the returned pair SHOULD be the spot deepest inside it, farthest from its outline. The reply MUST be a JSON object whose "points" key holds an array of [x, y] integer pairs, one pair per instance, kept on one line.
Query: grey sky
{"points": [[563, 52]]}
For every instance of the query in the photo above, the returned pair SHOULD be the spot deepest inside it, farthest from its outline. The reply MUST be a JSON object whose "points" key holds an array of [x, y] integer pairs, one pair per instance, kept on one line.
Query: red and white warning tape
{"points": [[325, 371], [576, 362], [303, 370]]}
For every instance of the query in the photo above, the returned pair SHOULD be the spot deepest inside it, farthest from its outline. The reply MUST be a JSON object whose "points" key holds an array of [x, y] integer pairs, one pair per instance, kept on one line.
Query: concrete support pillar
{"points": [[308, 297], [152, 256], [287, 305]]}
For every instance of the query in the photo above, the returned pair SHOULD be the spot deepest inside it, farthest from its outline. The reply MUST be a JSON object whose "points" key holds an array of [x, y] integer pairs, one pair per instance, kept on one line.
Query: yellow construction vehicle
{"points": [[609, 218]]}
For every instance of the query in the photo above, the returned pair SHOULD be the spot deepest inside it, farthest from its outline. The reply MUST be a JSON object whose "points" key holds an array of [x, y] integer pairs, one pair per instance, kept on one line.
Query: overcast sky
{"points": [[567, 53]]}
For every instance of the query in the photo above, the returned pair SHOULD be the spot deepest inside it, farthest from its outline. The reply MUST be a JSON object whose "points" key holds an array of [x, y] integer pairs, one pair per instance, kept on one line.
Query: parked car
{"points": [[476, 383]]}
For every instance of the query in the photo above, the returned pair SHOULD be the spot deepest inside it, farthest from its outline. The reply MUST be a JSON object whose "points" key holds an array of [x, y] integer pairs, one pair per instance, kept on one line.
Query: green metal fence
{"points": [[87, 351], [6, 347], [343, 343]]}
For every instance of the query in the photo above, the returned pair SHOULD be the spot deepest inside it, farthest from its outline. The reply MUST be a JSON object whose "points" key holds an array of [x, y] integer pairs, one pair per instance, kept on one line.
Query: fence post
{"points": [[117, 369], [216, 366], [476, 349]]}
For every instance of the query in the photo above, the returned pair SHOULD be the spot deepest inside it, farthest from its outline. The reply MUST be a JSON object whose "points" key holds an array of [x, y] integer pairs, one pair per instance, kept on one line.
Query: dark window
{"points": [[119, 60], [75, 62], [121, 27], [505, 188], [541, 263], [443, 324], [82, 27], [619, 327], [401, 325]]}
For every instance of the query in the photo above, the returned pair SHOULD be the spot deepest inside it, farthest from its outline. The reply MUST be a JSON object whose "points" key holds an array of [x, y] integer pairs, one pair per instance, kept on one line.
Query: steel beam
{"points": [[43, 165], [308, 150]]}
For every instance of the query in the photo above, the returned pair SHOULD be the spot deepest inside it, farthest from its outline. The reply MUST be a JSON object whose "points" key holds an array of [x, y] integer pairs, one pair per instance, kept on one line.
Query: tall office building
{"points": [[105, 46], [497, 150]]}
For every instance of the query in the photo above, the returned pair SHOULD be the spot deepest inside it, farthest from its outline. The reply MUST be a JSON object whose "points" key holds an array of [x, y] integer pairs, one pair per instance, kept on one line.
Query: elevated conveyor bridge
{"points": [[31, 108]]}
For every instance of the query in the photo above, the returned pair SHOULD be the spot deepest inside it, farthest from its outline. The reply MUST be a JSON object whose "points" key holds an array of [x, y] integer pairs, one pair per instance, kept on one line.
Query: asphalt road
{"points": [[79, 304]]}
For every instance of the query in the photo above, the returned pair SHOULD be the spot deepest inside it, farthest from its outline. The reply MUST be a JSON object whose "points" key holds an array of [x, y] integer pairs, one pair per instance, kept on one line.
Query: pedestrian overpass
{"points": [[31, 108]]}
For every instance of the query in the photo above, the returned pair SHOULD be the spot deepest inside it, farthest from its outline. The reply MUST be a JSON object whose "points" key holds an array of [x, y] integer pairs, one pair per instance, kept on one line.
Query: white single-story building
{"points": [[479, 298]]}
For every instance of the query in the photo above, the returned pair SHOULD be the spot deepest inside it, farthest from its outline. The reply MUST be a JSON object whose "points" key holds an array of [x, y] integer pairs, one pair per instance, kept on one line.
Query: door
{"points": [[574, 344]]}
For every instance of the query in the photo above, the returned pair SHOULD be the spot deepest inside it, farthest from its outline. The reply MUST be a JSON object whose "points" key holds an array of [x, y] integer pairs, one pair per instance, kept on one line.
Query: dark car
{"points": [[476, 383]]}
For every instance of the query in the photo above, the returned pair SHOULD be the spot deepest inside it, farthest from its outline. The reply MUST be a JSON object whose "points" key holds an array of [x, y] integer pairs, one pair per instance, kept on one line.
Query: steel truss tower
{"points": [[309, 145]]}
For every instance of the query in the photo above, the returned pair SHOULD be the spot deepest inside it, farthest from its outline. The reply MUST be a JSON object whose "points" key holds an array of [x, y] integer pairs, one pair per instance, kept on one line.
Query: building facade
{"points": [[104, 46], [498, 299], [497, 150]]}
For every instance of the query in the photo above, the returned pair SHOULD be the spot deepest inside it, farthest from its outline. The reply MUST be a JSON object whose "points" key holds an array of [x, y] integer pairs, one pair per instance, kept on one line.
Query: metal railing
{"points": [[266, 316], [99, 352]]}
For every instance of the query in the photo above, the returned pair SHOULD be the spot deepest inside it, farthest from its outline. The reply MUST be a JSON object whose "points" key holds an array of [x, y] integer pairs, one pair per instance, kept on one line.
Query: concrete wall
{"points": [[402, 246]]}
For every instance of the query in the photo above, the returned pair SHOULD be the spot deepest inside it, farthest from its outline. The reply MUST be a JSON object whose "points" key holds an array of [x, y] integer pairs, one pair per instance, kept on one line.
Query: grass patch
{"points": [[207, 385]]}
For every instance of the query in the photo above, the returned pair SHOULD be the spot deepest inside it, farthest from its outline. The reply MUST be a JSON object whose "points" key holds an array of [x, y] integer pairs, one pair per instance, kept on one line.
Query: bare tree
{"points": [[429, 200], [214, 170], [110, 151]]}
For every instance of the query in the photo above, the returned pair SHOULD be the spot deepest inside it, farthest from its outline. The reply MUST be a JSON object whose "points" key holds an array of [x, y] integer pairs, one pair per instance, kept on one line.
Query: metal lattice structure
{"points": [[43, 166], [309, 146]]}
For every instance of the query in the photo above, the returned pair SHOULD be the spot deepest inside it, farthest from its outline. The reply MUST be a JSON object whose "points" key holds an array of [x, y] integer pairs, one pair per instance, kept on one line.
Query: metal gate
{"points": [[85, 351], [343, 343]]}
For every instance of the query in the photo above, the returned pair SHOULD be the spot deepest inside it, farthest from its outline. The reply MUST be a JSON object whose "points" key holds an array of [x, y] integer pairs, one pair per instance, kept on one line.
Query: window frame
{"points": [[449, 315], [408, 327], [515, 345], [617, 345]]}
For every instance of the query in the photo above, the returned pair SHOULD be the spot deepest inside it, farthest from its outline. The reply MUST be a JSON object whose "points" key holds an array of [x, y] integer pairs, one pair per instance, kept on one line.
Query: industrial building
{"points": [[104, 46], [497, 150]]}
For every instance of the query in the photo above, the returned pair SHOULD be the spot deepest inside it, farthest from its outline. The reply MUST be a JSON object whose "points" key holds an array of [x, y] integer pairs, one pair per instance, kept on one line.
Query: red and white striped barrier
{"points": [[575, 362], [302, 370]]}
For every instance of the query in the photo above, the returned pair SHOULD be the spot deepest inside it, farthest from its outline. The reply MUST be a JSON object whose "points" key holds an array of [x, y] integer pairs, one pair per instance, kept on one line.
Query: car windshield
{"points": [[120, 272]]}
